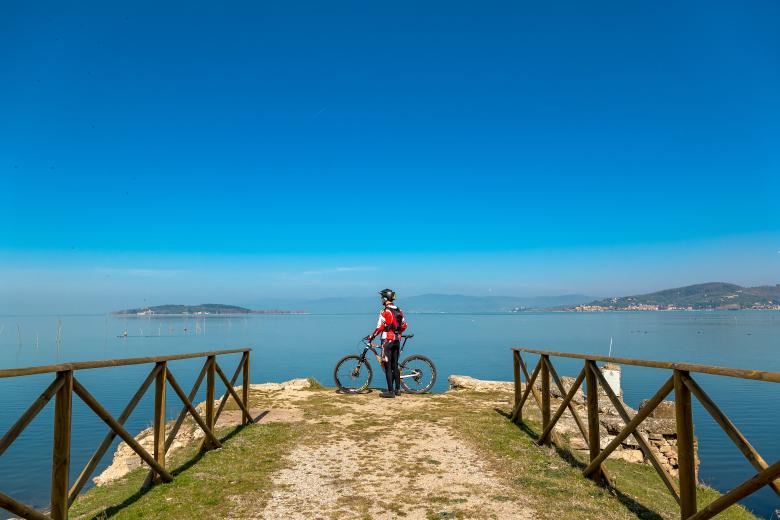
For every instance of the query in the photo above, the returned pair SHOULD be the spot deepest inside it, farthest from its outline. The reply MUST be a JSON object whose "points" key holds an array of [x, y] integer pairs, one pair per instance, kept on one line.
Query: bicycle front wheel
{"points": [[418, 374], [352, 375]]}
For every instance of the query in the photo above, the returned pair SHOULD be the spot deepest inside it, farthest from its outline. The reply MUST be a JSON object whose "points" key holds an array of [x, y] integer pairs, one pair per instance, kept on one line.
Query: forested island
{"points": [[706, 296], [204, 309]]}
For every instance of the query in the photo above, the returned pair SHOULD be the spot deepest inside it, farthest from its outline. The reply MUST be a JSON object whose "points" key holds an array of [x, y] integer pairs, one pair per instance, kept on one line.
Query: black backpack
{"points": [[398, 319]]}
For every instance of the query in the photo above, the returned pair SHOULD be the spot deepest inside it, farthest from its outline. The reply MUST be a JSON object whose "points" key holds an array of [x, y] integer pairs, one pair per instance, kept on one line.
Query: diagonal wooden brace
{"points": [[27, 417], [759, 480], [574, 413], [731, 430], [119, 429], [109, 438], [233, 379], [640, 439], [232, 392], [20, 509], [565, 404], [646, 410], [179, 421], [188, 404], [529, 388]]}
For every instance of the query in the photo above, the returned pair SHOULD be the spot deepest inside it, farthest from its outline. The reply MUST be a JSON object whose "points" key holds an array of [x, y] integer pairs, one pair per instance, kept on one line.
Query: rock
{"points": [[658, 426], [654, 436], [634, 456], [605, 439], [613, 425], [293, 384], [664, 410], [478, 385], [578, 443]]}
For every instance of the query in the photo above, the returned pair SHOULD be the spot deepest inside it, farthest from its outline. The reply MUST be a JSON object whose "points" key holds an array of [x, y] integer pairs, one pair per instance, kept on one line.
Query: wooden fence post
{"points": [[60, 467], [517, 416], [594, 437], [159, 416], [245, 388], [545, 375], [685, 454], [210, 378]]}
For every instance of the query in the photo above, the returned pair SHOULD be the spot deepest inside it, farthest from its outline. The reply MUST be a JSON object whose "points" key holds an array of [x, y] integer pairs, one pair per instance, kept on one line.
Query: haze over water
{"points": [[286, 347]]}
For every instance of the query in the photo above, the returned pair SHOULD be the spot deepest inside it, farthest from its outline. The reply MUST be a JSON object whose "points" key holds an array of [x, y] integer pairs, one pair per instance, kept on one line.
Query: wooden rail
{"points": [[65, 385], [684, 387]]}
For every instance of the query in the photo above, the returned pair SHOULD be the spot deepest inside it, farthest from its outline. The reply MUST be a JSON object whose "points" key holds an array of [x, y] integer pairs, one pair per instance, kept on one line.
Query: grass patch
{"points": [[229, 482]]}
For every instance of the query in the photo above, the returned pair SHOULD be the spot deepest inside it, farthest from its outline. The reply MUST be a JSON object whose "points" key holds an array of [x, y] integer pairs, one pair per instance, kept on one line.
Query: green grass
{"points": [[217, 484]]}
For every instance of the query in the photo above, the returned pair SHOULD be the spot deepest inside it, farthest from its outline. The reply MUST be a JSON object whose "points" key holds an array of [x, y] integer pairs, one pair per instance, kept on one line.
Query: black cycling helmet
{"points": [[387, 294]]}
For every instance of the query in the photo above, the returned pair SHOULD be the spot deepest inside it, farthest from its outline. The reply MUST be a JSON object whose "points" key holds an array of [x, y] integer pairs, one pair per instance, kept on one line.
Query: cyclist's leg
{"points": [[396, 353], [387, 349]]}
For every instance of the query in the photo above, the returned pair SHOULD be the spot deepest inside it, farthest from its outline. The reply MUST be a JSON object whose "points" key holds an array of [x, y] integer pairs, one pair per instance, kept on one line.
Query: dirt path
{"points": [[383, 459]]}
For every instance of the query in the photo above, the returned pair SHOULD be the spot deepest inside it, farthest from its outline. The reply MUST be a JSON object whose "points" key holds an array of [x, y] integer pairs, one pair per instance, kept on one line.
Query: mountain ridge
{"points": [[703, 296]]}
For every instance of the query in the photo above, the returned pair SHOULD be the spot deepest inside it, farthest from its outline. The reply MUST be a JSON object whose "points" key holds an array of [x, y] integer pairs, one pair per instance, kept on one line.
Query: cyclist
{"points": [[391, 325]]}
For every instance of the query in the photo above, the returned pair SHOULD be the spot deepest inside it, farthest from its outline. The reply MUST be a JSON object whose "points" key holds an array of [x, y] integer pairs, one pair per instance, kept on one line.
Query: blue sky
{"points": [[199, 151]]}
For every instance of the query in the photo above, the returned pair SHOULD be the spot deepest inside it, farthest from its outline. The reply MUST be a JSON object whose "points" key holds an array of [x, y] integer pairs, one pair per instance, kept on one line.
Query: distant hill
{"points": [[204, 308], [450, 303], [705, 296]]}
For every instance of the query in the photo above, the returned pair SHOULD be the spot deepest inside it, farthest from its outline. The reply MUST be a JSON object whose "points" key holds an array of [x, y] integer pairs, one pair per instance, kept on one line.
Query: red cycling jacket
{"points": [[387, 326]]}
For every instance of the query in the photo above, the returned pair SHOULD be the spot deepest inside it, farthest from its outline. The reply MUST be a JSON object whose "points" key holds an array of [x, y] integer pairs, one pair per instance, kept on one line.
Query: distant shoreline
{"points": [[202, 314]]}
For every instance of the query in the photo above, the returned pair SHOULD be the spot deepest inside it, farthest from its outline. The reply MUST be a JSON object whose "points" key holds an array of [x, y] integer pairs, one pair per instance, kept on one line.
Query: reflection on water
{"points": [[288, 346]]}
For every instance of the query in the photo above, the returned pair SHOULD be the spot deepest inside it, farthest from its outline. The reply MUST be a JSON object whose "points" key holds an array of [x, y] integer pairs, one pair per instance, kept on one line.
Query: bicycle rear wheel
{"points": [[418, 374], [352, 375]]}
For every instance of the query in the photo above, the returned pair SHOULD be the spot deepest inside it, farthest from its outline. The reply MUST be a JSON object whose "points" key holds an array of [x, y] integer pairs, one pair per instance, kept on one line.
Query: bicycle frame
{"points": [[373, 348]]}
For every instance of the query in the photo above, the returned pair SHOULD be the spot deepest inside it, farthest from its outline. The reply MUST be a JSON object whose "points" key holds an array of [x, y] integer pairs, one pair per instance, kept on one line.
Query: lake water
{"points": [[290, 346]]}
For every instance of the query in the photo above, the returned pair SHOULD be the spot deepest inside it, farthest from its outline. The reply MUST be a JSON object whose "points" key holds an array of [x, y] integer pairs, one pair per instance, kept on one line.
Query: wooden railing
{"points": [[683, 384], [65, 385]]}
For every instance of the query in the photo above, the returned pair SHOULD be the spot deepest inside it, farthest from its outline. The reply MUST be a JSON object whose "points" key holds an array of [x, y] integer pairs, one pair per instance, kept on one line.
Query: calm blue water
{"points": [[294, 346]]}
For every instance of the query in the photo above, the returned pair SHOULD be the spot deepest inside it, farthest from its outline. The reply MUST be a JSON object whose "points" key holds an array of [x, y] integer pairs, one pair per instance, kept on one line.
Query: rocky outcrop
{"points": [[479, 385]]}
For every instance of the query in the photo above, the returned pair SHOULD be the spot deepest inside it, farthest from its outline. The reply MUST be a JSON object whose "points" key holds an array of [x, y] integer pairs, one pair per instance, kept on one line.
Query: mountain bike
{"points": [[353, 373]]}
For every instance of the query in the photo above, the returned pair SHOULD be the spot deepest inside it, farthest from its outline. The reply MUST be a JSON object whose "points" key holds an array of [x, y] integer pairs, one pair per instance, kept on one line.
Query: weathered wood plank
{"points": [[60, 466], [757, 375], [210, 380], [158, 421], [245, 387], [545, 375], [592, 399], [517, 416], [686, 463], [85, 365]]}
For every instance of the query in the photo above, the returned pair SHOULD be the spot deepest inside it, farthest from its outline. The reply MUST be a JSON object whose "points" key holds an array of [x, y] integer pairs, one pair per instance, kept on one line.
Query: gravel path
{"points": [[384, 459]]}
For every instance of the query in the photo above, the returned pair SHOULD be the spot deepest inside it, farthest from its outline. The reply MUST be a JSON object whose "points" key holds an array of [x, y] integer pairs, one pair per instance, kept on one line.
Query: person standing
{"points": [[391, 325]]}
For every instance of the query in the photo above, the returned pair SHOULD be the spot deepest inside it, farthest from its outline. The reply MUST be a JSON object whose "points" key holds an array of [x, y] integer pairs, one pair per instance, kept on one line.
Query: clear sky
{"points": [[207, 151]]}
